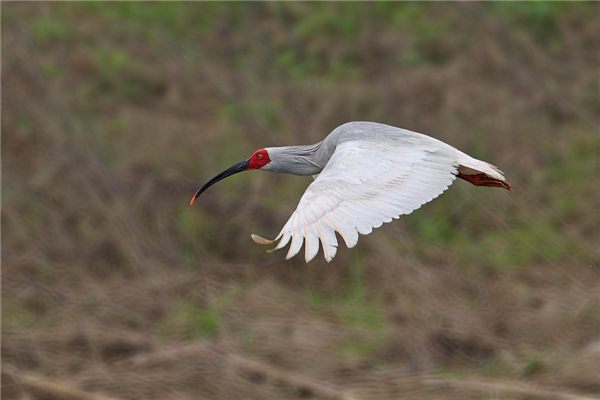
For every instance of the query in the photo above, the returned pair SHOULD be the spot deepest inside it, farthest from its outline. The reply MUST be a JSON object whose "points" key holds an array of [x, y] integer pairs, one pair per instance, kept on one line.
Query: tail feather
{"points": [[480, 173], [471, 166], [484, 180]]}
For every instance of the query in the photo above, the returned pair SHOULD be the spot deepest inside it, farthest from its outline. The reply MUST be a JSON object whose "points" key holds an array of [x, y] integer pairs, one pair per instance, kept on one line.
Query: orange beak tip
{"points": [[193, 201]]}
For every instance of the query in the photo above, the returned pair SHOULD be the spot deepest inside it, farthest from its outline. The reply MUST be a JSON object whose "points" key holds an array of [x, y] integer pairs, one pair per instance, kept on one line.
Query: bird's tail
{"points": [[480, 173]]}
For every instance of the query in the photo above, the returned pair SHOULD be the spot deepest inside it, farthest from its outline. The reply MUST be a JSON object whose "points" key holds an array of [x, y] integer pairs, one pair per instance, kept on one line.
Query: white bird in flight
{"points": [[368, 173]]}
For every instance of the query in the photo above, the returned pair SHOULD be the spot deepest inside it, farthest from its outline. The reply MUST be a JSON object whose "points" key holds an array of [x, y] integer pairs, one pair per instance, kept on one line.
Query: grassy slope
{"points": [[114, 114]]}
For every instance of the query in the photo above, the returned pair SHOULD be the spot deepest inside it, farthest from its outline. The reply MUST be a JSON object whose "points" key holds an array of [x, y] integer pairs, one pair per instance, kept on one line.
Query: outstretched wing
{"points": [[363, 185]]}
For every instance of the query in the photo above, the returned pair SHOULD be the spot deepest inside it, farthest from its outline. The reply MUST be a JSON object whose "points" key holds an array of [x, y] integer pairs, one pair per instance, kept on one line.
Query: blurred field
{"points": [[115, 114]]}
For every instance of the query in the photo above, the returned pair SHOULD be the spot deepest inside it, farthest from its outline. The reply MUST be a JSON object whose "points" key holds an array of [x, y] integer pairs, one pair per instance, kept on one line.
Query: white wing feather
{"points": [[364, 185]]}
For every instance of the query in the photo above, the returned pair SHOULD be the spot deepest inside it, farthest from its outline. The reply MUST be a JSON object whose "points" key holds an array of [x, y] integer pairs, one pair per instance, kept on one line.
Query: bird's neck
{"points": [[297, 160]]}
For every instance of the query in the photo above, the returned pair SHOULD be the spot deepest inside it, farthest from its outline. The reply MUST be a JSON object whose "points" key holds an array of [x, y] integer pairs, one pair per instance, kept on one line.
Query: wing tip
{"points": [[261, 240]]}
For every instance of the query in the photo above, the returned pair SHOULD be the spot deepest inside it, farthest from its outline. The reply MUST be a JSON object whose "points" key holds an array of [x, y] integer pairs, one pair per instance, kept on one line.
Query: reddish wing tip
{"points": [[484, 180]]}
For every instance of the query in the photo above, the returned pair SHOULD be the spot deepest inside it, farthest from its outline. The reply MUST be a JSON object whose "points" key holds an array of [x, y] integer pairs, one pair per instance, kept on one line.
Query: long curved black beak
{"points": [[239, 167]]}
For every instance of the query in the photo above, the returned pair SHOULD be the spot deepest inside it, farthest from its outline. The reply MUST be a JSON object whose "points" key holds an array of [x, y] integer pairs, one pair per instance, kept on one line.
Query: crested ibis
{"points": [[366, 173]]}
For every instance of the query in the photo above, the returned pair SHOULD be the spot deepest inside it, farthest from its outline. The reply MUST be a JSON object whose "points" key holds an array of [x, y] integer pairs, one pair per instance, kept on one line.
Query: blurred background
{"points": [[114, 114]]}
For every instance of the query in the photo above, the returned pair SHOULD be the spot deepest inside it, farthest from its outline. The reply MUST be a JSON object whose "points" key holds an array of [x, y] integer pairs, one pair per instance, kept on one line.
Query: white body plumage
{"points": [[369, 173]]}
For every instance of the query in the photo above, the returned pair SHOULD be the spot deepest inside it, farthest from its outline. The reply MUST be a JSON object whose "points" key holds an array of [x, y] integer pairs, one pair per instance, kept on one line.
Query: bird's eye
{"points": [[259, 156]]}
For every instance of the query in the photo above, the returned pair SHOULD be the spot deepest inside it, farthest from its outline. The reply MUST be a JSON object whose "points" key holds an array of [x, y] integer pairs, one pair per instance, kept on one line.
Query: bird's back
{"points": [[398, 137], [376, 132]]}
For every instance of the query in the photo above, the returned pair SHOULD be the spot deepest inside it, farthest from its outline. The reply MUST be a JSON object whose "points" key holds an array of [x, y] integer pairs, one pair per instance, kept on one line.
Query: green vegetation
{"points": [[541, 17], [116, 113], [356, 308], [15, 314], [533, 365], [194, 320]]}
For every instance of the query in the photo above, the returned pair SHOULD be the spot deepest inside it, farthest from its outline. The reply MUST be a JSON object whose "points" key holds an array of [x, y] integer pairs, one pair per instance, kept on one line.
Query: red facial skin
{"points": [[259, 159]]}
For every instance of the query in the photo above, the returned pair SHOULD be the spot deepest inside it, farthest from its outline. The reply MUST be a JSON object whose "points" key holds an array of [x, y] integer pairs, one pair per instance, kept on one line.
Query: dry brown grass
{"points": [[113, 288]]}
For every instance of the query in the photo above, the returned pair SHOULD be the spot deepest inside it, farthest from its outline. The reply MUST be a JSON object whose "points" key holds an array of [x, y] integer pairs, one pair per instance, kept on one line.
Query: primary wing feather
{"points": [[364, 185]]}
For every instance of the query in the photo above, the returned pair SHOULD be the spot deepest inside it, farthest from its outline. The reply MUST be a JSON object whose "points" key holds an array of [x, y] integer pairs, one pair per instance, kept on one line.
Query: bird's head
{"points": [[259, 159]]}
